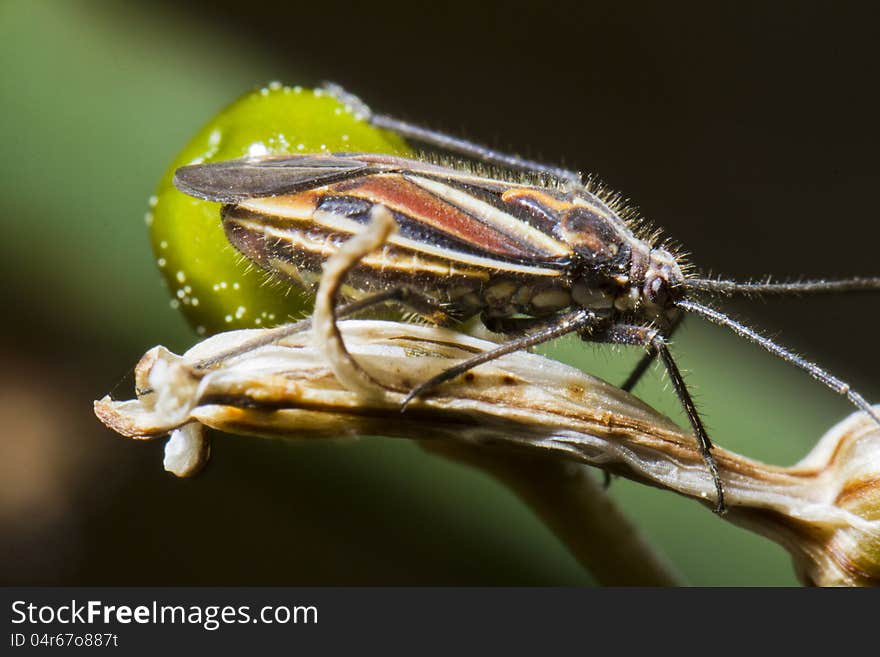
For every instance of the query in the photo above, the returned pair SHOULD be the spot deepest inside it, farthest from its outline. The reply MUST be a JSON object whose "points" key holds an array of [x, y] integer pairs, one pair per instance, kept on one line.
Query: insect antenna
{"points": [[793, 288], [817, 372]]}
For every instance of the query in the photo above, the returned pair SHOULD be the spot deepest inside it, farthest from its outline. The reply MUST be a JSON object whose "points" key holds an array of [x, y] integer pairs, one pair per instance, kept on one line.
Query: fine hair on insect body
{"points": [[534, 256]]}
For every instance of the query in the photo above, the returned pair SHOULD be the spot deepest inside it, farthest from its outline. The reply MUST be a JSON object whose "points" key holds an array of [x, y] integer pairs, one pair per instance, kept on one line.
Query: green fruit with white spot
{"points": [[214, 286]]}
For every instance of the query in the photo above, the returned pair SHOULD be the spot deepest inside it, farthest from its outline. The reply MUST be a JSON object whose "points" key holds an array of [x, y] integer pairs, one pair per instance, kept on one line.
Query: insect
{"points": [[534, 258]]}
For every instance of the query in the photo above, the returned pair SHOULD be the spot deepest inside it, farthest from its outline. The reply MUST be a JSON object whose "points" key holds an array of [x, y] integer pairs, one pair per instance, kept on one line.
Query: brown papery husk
{"points": [[823, 510]]}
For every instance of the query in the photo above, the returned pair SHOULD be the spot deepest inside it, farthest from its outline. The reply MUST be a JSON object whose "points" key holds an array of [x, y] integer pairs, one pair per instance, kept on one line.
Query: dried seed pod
{"points": [[825, 510], [828, 513]]}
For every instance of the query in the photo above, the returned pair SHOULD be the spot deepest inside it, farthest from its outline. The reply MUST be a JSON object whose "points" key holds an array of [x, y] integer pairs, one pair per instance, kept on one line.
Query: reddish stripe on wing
{"points": [[400, 195]]}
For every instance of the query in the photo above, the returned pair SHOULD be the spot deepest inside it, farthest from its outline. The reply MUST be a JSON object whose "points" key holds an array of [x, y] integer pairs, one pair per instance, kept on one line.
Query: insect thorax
{"points": [[612, 268]]}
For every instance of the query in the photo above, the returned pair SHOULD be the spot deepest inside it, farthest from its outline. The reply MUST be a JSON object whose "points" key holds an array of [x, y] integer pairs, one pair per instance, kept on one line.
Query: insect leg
{"points": [[442, 141], [641, 367], [579, 320], [648, 359], [516, 326], [642, 336], [401, 295]]}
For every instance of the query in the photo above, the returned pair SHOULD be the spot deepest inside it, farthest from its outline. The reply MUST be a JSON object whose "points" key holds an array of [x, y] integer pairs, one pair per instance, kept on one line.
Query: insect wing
{"points": [[444, 206], [233, 181]]}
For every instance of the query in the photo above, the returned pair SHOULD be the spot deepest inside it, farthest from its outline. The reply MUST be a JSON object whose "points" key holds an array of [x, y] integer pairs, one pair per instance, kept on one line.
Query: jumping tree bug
{"points": [[535, 260]]}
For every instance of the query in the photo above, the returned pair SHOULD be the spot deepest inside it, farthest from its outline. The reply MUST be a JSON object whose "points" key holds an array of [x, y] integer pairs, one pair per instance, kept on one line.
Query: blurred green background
{"points": [[748, 132]]}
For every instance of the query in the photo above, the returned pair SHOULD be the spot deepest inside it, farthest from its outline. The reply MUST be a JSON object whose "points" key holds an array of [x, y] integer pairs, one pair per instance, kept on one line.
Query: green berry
{"points": [[214, 286]]}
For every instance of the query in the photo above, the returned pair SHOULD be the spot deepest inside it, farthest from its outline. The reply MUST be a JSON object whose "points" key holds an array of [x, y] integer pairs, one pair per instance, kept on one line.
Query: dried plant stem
{"points": [[567, 498]]}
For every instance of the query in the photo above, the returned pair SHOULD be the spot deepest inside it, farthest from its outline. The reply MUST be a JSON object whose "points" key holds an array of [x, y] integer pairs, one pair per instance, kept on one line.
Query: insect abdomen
{"points": [[292, 236]]}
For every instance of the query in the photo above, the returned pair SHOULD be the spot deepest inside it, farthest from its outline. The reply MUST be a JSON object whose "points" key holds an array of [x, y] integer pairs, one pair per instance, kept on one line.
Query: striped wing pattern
{"points": [[458, 235]]}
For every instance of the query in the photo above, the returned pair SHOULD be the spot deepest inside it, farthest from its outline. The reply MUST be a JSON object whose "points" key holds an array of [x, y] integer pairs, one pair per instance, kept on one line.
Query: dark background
{"points": [[748, 132]]}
